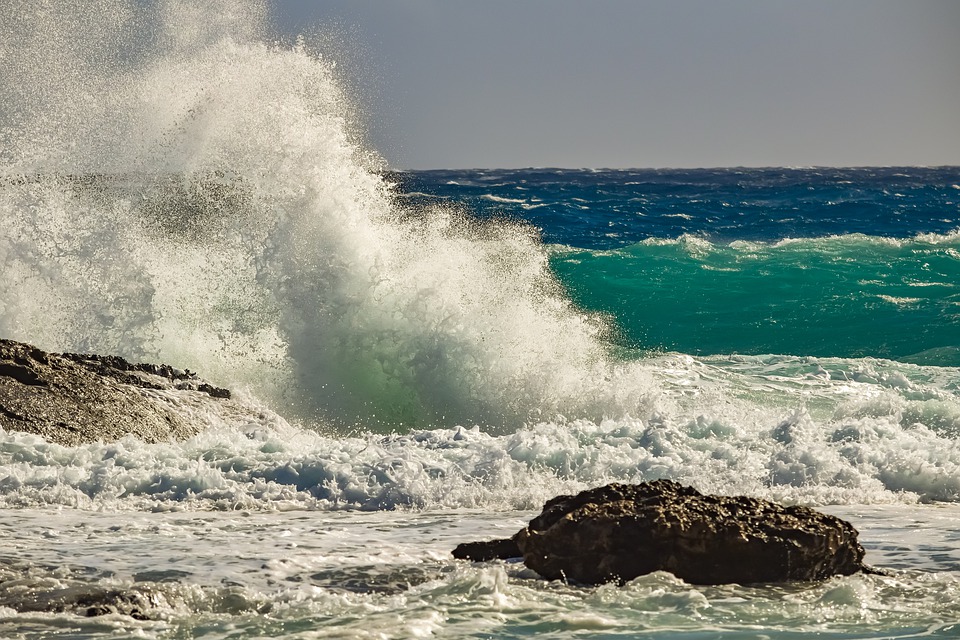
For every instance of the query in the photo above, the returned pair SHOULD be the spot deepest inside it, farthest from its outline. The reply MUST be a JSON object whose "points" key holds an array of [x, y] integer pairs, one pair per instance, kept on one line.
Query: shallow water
{"points": [[307, 574]]}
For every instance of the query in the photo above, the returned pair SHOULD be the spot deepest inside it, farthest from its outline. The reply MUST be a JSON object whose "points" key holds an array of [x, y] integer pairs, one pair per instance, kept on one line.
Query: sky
{"points": [[646, 83]]}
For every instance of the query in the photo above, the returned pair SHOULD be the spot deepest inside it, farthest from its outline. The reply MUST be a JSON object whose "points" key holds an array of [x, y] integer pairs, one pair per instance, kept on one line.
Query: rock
{"points": [[32, 588], [73, 399], [619, 532], [502, 549]]}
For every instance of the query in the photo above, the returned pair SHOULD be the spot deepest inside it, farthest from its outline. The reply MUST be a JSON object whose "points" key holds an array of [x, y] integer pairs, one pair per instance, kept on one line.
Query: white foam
{"points": [[493, 198], [390, 573], [862, 435], [250, 237]]}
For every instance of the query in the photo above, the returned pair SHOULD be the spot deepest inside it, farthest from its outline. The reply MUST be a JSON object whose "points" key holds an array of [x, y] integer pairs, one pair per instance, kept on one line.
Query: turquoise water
{"points": [[848, 296]]}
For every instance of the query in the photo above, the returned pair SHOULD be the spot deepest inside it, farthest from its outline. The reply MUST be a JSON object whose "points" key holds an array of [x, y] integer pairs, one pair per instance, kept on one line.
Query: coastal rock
{"points": [[618, 532], [73, 399], [502, 549]]}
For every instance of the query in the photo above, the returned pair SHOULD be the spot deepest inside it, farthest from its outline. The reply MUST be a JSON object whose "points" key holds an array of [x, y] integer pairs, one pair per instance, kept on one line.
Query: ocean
{"points": [[422, 358]]}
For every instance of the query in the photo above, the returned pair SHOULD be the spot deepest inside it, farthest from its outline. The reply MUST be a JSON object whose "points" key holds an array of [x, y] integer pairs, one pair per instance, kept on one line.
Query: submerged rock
{"points": [[618, 532], [383, 579], [73, 399], [91, 600]]}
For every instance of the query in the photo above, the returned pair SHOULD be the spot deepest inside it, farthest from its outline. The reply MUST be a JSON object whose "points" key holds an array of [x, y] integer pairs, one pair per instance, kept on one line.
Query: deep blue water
{"points": [[857, 262], [613, 208]]}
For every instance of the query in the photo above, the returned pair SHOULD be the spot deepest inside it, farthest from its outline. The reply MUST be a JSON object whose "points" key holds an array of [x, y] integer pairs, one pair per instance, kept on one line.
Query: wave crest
{"points": [[214, 209]]}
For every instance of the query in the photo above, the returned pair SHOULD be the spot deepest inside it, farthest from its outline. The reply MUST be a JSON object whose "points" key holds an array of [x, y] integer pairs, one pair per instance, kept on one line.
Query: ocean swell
{"points": [[848, 295]]}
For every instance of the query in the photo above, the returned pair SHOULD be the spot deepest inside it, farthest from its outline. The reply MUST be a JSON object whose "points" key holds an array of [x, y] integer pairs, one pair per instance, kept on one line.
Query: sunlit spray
{"points": [[176, 189]]}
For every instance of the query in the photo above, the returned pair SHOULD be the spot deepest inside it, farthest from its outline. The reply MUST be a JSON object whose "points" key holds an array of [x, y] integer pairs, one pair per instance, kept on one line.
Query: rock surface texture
{"points": [[488, 550], [618, 532], [73, 399]]}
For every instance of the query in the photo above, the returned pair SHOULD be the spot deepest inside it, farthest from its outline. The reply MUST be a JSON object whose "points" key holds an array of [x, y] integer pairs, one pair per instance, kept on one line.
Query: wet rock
{"points": [[92, 601], [619, 532], [502, 549], [24, 589], [73, 399], [388, 580]]}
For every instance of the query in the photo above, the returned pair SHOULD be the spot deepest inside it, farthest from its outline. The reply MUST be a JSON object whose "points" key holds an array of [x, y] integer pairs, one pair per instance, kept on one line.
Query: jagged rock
{"points": [[73, 399], [618, 532]]}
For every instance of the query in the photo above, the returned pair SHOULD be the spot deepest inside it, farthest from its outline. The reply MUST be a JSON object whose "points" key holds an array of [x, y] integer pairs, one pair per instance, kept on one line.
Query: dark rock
{"points": [[618, 532], [139, 605], [73, 399], [131, 373], [503, 549], [28, 587], [88, 600]]}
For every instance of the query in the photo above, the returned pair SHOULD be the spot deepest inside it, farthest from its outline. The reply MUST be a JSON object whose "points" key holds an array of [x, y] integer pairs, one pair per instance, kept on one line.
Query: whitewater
{"points": [[423, 358]]}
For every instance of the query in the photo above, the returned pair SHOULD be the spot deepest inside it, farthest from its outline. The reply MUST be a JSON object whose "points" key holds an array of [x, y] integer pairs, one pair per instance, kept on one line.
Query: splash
{"points": [[175, 188]]}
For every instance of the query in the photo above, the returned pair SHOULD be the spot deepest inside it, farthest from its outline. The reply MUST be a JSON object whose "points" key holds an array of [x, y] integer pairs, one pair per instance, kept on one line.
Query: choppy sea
{"points": [[422, 358]]}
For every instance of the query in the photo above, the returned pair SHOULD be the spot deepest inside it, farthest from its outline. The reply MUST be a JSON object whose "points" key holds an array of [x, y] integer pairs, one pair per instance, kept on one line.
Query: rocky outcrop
{"points": [[73, 399], [618, 532]]}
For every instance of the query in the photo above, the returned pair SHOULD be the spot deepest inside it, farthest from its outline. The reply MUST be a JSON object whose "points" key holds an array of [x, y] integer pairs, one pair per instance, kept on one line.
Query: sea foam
{"points": [[208, 205], [211, 207]]}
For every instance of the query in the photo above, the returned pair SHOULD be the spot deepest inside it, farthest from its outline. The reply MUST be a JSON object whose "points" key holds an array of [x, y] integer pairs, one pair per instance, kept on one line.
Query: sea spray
{"points": [[202, 200]]}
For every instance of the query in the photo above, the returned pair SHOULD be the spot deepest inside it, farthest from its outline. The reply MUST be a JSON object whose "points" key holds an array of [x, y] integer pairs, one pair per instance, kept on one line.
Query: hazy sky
{"points": [[649, 83]]}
